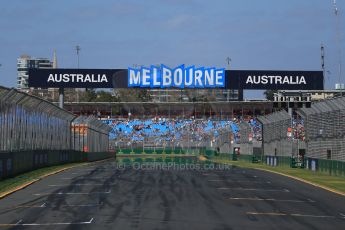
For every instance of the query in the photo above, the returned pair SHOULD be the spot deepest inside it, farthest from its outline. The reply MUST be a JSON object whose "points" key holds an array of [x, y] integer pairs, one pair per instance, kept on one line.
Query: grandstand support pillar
{"points": [[61, 97], [290, 112]]}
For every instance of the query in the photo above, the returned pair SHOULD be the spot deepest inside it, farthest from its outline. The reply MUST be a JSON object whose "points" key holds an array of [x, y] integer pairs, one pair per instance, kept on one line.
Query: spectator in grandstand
{"points": [[256, 129], [298, 128]]}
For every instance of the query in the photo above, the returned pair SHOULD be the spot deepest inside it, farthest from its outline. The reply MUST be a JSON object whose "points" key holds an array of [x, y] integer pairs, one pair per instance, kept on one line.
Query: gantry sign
{"points": [[179, 77]]}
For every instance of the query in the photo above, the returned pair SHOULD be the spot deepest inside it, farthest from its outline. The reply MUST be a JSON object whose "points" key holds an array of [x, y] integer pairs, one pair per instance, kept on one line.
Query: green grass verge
{"points": [[17, 181], [332, 182]]}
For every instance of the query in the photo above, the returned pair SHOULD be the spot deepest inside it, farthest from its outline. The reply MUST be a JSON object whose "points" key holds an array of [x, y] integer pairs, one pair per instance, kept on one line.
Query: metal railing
{"points": [[30, 123], [324, 126], [275, 140], [35, 133]]}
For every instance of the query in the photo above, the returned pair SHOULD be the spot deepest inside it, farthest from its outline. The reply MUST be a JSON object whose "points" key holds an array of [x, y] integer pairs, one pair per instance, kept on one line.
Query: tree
{"points": [[103, 96], [88, 95], [269, 94], [143, 95]]}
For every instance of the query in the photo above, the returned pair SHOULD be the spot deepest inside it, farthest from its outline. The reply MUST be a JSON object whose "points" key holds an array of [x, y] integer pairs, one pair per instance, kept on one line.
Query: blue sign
{"points": [[179, 77]]}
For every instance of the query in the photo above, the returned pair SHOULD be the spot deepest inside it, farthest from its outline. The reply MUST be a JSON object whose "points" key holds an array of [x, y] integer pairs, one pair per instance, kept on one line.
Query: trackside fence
{"points": [[313, 139], [324, 126], [35, 133], [275, 141]]}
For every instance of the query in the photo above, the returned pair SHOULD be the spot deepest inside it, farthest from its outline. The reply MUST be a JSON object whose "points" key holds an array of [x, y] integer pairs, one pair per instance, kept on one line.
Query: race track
{"points": [[105, 196]]}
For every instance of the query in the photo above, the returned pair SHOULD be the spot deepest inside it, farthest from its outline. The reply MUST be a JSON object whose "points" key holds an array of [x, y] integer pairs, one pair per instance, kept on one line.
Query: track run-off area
{"points": [[170, 194]]}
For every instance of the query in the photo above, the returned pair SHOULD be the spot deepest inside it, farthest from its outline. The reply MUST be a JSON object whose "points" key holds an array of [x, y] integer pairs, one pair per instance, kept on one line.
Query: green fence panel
{"points": [[246, 158]]}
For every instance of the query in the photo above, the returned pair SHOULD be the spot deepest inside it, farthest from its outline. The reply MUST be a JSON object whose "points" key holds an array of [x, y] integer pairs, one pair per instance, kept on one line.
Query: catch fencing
{"points": [[30, 123], [324, 125], [90, 135], [316, 140], [275, 140], [35, 133]]}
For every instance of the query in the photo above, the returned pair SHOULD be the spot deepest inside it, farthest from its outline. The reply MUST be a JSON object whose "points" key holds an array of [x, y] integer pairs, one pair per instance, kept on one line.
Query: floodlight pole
{"points": [[77, 48], [338, 40], [228, 60], [323, 62]]}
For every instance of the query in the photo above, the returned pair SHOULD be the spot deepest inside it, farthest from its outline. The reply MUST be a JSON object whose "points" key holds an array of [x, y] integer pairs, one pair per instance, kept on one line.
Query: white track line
{"points": [[286, 214], [80, 205], [63, 185], [83, 178], [19, 223], [314, 216], [31, 206], [255, 189], [269, 199], [70, 193], [62, 223], [44, 205], [241, 181]]}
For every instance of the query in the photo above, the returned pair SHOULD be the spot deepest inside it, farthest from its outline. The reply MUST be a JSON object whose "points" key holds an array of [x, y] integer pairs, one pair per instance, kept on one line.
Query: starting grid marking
{"points": [[83, 178], [271, 199], [292, 214], [44, 205], [231, 178], [241, 181], [254, 189], [66, 185], [70, 193], [20, 223]]}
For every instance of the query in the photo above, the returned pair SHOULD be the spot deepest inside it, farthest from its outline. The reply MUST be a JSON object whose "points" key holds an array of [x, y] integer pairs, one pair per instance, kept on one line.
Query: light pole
{"points": [[77, 48], [338, 40], [323, 62], [228, 60]]}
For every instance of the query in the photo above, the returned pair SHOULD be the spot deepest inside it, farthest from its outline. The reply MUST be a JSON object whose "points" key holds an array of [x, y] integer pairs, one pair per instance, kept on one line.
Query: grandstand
{"points": [[167, 131], [306, 133]]}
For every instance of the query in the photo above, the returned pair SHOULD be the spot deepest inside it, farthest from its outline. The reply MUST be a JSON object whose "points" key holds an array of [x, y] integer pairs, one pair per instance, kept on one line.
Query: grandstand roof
{"points": [[147, 108], [329, 105], [273, 117]]}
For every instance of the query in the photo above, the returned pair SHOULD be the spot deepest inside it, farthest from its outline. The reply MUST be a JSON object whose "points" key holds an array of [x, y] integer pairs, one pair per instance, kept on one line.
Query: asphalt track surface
{"points": [[102, 196]]}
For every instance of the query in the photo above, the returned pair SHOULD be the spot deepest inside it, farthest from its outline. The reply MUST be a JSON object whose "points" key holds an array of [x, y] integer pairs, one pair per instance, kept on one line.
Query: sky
{"points": [[255, 34]]}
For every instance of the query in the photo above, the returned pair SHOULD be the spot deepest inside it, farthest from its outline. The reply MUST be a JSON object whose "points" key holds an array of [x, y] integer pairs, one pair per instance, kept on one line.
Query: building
{"points": [[326, 94], [190, 95], [315, 95], [24, 63]]}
